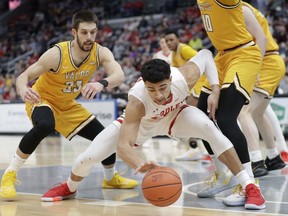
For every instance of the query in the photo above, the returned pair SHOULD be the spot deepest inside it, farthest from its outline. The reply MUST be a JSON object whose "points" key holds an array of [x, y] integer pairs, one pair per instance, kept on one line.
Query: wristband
{"points": [[104, 82]]}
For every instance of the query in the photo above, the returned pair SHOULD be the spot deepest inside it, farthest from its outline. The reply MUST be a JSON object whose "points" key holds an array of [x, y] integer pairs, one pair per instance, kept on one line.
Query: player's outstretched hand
{"points": [[29, 95], [91, 89], [143, 168]]}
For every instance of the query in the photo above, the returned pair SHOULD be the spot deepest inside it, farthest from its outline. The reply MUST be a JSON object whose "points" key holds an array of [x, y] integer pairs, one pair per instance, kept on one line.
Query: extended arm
{"points": [[48, 61], [128, 134], [205, 63], [112, 68], [255, 29]]}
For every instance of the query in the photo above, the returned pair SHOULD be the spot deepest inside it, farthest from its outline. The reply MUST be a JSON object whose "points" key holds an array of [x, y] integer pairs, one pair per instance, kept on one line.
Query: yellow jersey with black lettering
{"points": [[59, 89], [183, 54], [224, 21], [271, 44], [64, 84]]}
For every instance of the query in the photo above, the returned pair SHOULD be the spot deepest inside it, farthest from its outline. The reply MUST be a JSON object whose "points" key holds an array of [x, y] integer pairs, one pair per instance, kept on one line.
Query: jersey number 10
{"points": [[207, 22]]}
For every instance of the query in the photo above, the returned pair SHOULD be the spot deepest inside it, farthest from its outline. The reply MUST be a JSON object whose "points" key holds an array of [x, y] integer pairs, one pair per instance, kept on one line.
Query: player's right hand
{"points": [[29, 95], [143, 168], [91, 89]]}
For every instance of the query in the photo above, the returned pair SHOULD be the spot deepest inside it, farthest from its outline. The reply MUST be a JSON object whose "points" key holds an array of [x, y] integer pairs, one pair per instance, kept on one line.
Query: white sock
{"points": [[16, 163], [108, 173], [282, 145], [243, 178], [272, 153], [255, 156], [281, 142], [72, 185], [280, 139], [248, 168]]}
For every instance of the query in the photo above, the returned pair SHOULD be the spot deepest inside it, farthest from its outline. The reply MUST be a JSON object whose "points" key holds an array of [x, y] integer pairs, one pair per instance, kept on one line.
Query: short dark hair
{"points": [[172, 32], [155, 70], [83, 16]]}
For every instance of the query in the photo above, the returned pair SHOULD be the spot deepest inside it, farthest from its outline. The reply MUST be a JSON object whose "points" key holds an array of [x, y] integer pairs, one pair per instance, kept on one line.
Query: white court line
{"points": [[123, 203]]}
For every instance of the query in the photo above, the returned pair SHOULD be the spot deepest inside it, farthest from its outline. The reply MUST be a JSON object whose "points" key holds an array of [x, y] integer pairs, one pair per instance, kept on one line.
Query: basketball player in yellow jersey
{"points": [[63, 73], [238, 63], [272, 72]]}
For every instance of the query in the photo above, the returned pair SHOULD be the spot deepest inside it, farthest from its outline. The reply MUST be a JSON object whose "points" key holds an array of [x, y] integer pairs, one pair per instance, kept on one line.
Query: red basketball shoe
{"points": [[58, 193], [254, 198]]}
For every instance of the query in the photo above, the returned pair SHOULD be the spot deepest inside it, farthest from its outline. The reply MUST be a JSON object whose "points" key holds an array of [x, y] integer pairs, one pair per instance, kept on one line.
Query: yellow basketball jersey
{"points": [[224, 23], [64, 85], [271, 44], [183, 54]]}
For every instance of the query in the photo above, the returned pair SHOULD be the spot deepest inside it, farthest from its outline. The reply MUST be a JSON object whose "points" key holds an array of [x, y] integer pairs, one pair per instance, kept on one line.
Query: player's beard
{"points": [[82, 46]]}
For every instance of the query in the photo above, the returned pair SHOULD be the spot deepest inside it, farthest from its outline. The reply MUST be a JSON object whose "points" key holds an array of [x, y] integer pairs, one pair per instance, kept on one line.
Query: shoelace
{"points": [[239, 190], [12, 178], [212, 180], [60, 185], [119, 178], [253, 191]]}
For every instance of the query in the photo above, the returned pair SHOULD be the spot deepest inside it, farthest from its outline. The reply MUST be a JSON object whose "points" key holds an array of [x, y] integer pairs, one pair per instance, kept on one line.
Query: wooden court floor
{"points": [[51, 164]]}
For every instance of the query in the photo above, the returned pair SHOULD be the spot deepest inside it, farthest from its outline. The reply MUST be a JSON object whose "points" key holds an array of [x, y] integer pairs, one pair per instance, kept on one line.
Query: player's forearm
{"points": [[21, 82], [216, 90], [129, 155], [116, 78], [262, 43], [205, 62]]}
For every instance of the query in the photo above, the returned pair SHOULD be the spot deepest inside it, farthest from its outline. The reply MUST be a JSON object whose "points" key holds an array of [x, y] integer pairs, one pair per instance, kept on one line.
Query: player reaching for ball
{"points": [[157, 106]]}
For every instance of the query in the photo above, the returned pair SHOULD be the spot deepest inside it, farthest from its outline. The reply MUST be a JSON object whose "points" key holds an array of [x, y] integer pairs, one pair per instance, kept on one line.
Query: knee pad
{"points": [[44, 124], [110, 160], [82, 165]]}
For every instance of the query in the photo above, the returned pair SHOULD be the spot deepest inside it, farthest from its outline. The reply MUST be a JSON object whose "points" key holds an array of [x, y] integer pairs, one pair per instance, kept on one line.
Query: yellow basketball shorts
{"points": [[240, 66], [272, 72], [68, 122]]}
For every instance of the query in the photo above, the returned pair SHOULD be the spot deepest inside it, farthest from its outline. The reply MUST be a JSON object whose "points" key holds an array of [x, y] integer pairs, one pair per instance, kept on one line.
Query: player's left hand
{"points": [[143, 168], [91, 89], [212, 102]]}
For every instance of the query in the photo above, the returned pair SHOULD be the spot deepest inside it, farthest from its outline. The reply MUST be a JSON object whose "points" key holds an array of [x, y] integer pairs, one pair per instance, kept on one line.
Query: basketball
{"points": [[161, 186]]}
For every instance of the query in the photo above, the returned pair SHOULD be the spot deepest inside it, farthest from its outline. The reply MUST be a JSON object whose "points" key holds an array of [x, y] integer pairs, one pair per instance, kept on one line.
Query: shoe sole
{"points": [[277, 168], [231, 203], [215, 191], [122, 187], [8, 198], [261, 174], [255, 207], [56, 199]]}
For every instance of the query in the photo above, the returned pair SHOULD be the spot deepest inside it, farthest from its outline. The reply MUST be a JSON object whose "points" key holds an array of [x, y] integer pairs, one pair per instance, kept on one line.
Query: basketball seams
{"points": [[161, 171], [162, 185], [176, 194]]}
